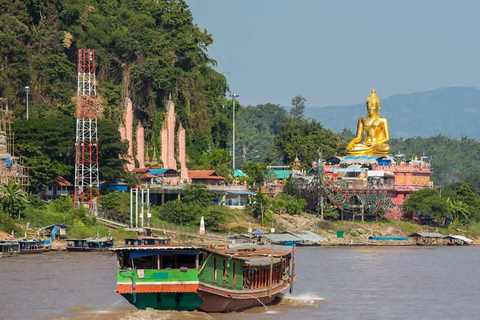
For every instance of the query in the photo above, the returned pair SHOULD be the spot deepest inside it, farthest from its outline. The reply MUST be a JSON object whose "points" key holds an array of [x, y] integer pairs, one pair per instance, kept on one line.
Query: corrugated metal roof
{"points": [[261, 261], [306, 235], [280, 237], [426, 235], [463, 238], [156, 248]]}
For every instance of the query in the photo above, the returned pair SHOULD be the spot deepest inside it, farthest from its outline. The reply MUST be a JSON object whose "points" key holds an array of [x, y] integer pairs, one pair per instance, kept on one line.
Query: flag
{"points": [[25, 234], [12, 235]]}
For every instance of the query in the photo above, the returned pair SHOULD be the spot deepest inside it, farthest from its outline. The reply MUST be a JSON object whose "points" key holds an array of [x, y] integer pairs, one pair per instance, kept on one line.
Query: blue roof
{"points": [[157, 171], [362, 157], [242, 192]]}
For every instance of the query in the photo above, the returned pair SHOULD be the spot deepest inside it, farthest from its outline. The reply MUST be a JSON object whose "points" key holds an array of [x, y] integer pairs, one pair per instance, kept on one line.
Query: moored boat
{"points": [[9, 247], [89, 244], [34, 246], [197, 278]]}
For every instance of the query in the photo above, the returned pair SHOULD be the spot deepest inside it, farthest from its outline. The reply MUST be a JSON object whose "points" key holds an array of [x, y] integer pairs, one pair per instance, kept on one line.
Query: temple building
{"points": [[368, 181]]}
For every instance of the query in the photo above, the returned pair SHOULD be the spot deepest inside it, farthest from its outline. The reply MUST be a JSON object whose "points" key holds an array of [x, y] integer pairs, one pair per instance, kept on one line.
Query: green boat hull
{"points": [[180, 301]]}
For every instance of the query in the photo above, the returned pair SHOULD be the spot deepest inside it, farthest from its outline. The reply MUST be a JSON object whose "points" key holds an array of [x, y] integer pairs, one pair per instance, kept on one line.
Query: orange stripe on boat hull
{"points": [[127, 288]]}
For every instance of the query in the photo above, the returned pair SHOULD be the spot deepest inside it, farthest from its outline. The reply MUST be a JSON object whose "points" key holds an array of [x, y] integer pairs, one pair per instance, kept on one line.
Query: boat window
{"points": [[168, 262], [186, 261], [149, 262], [215, 269]]}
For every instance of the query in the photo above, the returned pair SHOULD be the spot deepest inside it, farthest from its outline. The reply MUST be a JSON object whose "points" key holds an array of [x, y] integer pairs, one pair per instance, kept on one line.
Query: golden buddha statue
{"points": [[377, 133]]}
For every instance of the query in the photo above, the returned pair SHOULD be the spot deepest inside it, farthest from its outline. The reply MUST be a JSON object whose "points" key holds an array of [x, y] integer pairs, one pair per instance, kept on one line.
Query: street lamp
{"points": [[27, 91], [233, 107]]}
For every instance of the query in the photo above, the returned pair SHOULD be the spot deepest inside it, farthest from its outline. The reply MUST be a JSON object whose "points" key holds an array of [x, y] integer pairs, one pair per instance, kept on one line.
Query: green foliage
{"points": [[218, 159], [47, 147], [427, 201], [256, 128], [198, 194], [298, 106], [330, 212], [304, 138], [12, 198], [452, 160], [116, 204], [255, 172]]}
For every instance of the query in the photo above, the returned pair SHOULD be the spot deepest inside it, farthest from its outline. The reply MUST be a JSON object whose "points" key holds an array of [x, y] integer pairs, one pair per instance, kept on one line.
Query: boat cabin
{"points": [[34, 246], [99, 244], [147, 241], [77, 244], [8, 247]]}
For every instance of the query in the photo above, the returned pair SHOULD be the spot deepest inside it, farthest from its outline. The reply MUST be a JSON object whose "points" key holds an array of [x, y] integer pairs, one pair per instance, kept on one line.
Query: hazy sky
{"points": [[334, 52]]}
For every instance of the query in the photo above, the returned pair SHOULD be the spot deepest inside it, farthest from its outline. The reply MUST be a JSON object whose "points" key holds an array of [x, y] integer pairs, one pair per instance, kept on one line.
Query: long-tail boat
{"points": [[169, 277], [34, 246]]}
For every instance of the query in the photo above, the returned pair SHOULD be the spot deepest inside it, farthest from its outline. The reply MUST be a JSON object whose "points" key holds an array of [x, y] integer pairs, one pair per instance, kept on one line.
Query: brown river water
{"points": [[332, 283]]}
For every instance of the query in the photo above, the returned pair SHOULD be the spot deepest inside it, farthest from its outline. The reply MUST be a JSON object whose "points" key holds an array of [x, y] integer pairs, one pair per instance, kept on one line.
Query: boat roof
{"points": [[306, 235], [100, 239], [463, 238], [159, 247], [148, 238], [251, 251], [426, 235], [261, 261], [281, 237]]}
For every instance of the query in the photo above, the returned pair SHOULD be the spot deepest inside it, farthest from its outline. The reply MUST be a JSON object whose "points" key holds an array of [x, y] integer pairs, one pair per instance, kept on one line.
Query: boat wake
{"points": [[151, 314], [305, 299]]}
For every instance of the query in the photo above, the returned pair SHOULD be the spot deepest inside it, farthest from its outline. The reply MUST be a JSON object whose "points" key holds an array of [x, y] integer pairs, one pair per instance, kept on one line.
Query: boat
{"points": [[388, 242], [34, 246], [76, 244], [147, 241], [89, 244], [169, 277], [9, 247]]}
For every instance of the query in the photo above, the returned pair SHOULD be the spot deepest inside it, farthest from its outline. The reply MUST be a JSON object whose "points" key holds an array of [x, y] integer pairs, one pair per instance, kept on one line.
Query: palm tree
{"points": [[458, 209], [12, 198]]}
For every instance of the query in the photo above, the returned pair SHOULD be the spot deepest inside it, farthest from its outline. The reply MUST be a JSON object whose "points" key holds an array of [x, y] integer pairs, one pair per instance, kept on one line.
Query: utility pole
{"points": [[27, 91], [233, 152]]}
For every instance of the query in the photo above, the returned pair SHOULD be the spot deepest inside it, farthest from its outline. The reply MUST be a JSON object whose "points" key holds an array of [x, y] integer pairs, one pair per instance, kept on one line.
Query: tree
{"points": [[298, 106], [198, 194], [219, 159], [426, 201], [303, 138], [12, 198], [255, 172]]}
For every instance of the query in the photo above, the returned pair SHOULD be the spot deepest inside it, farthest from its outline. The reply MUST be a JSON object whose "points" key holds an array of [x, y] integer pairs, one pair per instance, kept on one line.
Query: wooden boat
{"points": [[171, 277], [147, 241], [89, 244], [34, 246], [76, 244], [9, 248]]}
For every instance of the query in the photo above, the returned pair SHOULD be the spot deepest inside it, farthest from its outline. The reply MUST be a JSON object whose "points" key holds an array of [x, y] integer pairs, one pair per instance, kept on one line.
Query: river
{"points": [[332, 283]]}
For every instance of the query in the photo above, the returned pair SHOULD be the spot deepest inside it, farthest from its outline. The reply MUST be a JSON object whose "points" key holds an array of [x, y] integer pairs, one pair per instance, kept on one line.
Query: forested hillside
{"points": [[146, 50]]}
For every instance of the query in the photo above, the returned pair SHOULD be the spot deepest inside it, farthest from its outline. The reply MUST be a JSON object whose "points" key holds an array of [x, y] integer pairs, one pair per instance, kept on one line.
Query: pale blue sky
{"points": [[334, 52]]}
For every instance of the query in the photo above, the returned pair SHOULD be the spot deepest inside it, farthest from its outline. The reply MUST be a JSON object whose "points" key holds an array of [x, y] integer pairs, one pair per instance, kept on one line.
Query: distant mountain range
{"points": [[453, 111]]}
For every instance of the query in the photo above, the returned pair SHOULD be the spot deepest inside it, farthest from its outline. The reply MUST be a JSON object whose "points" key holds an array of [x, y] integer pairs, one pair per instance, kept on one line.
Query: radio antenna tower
{"points": [[86, 145]]}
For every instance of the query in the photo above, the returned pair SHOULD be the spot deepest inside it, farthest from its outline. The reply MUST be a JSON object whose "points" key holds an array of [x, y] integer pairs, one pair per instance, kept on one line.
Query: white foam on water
{"points": [[303, 299]]}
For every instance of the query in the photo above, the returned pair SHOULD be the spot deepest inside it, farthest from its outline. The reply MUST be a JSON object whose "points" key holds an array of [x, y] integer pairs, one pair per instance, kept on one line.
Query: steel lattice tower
{"points": [[86, 145]]}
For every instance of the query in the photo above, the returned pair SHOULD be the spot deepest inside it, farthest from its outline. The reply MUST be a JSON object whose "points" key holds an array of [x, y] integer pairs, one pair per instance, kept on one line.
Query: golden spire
{"points": [[373, 98]]}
